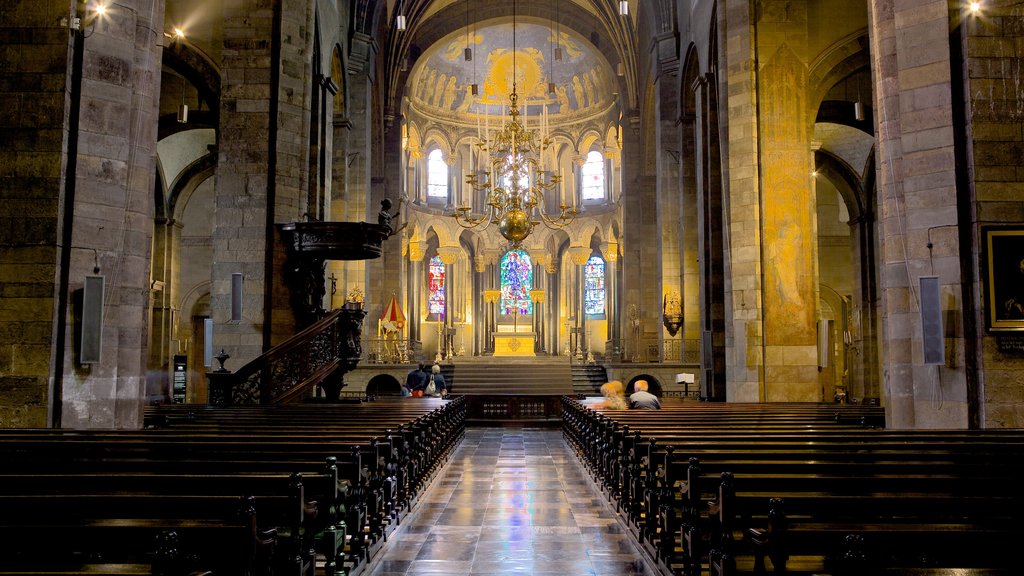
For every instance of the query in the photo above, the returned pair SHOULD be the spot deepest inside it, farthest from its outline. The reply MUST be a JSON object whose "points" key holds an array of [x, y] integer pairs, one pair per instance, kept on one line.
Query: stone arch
{"points": [[383, 385], [653, 385]]}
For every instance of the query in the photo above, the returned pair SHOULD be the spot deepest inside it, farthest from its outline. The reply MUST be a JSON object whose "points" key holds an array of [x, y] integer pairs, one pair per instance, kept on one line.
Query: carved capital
{"points": [[579, 255], [449, 254], [551, 267], [417, 250], [479, 264], [610, 252]]}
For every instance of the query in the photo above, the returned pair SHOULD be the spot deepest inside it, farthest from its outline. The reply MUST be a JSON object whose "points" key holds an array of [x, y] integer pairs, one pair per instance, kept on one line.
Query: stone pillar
{"points": [[610, 252], [479, 306], [449, 255], [579, 255], [103, 208], [551, 304], [917, 206], [417, 250], [788, 227]]}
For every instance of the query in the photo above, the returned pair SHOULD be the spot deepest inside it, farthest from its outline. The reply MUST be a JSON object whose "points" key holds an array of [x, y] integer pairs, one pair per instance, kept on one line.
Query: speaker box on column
{"points": [[236, 297], [208, 342], [92, 320], [934, 339], [824, 347]]}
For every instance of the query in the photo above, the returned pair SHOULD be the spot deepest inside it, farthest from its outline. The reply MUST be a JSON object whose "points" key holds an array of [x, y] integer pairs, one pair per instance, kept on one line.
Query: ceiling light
{"points": [[400, 22], [623, 8]]}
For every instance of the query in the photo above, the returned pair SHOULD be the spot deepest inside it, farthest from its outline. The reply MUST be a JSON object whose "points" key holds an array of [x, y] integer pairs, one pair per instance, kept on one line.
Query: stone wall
{"points": [[33, 98], [995, 104]]}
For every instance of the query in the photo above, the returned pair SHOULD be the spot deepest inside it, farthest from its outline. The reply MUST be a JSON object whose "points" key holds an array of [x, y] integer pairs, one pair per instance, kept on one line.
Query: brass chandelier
{"points": [[516, 181]]}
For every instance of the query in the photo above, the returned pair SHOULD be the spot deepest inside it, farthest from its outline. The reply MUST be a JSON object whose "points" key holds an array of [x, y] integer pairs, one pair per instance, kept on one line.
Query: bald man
{"points": [[641, 399]]}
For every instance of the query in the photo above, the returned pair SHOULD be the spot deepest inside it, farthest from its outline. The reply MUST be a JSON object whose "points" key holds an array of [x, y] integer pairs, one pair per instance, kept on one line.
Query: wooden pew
{"points": [[825, 472], [121, 478]]}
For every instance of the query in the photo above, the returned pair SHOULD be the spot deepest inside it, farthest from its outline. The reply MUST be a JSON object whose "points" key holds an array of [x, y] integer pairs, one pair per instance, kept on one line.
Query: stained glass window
{"points": [[516, 282], [593, 177], [436, 287], [437, 175], [593, 288]]}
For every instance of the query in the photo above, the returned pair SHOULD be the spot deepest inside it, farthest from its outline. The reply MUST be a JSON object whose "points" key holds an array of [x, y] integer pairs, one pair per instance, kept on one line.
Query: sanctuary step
{"points": [[512, 390], [536, 376], [588, 378]]}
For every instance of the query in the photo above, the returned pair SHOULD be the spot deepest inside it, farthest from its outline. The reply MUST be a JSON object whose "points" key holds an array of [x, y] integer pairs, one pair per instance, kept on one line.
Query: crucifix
{"points": [[334, 288]]}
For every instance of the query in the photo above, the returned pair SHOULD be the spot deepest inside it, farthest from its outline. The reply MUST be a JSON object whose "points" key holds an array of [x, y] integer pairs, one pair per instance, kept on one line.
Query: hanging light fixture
{"points": [[518, 178], [400, 19], [183, 108], [623, 8]]}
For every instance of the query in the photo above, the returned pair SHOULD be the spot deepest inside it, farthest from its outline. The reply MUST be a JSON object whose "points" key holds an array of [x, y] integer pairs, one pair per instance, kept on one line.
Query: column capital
{"points": [[610, 251], [551, 266], [449, 254], [579, 255], [479, 263], [417, 250]]}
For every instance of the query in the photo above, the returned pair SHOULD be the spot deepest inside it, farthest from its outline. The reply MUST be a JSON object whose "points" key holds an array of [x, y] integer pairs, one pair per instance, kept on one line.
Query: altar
{"points": [[514, 343]]}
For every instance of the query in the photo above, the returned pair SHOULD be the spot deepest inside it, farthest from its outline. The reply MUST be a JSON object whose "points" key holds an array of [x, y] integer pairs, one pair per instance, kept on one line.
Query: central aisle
{"points": [[511, 501]]}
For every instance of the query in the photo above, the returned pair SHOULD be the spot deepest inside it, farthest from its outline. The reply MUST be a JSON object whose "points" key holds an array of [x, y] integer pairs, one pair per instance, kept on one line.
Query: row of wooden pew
{"points": [[294, 490], [805, 488]]}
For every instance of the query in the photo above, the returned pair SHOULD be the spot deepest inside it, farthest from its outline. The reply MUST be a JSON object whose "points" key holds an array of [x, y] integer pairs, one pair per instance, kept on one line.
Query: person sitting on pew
{"points": [[436, 385], [415, 381], [641, 399], [614, 396]]}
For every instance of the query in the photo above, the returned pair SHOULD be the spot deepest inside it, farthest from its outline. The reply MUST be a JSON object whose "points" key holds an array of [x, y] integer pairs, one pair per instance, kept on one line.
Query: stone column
{"points": [[449, 255], [579, 255], [917, 207], [610, 252], [104, 207], [551, 303], [479, 306], [417, 250]]}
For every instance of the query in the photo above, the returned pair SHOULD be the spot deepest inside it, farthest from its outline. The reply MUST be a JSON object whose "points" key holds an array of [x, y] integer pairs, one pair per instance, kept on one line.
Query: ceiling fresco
{"points": [[441, 80]]}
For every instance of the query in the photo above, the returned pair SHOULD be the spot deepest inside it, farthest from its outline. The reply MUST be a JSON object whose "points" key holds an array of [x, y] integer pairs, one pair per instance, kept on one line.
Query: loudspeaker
{"points": [[934, 339], [824, 349], [236, 297], [208, 342], [92, 320]]}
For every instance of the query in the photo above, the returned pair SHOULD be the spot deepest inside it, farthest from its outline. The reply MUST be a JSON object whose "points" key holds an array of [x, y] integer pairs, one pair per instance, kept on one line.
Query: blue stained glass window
{"points": [[436, 286], [516, 282], [593, 289]]}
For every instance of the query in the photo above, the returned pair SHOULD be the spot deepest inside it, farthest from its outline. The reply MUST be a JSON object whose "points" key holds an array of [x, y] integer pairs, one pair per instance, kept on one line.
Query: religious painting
{"points": [[1004, 289], [516, 283]]}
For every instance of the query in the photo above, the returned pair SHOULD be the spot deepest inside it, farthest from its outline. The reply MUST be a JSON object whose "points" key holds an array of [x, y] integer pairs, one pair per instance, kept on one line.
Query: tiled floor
{"points": [[511, 502]]}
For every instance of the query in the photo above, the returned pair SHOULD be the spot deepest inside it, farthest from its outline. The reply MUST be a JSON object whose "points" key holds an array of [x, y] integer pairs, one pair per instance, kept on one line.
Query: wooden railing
{"points": [[320, 354]]}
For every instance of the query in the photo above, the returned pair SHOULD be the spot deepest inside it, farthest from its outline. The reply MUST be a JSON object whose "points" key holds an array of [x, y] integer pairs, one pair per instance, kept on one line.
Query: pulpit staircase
{"points": [[513, 391]]}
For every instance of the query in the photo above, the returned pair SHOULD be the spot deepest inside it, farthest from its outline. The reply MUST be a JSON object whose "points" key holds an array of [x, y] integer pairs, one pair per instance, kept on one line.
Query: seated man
{"points": [[641, 399], [415, 380]]}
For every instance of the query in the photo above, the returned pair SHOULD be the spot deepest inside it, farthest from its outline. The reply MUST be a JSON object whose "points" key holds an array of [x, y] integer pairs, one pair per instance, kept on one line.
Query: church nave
{"points": [[511, 501]]}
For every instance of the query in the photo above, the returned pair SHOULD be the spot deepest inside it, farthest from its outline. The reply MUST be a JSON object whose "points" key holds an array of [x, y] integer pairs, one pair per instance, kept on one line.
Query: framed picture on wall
{"points": [[1004, 289]]}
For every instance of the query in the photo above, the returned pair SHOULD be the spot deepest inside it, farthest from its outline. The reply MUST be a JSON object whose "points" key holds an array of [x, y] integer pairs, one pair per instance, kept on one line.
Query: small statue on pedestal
{"points": [[384, 217]]}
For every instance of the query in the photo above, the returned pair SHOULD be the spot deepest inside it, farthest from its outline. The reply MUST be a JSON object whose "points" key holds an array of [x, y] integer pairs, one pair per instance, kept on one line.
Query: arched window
{"points": [[435, 287], [437, 175], [593, 286], [516, 282], [593, 177]]}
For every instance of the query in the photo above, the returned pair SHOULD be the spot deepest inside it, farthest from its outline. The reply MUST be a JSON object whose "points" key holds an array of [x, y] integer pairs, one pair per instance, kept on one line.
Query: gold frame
{"points": [[1004, 278]]}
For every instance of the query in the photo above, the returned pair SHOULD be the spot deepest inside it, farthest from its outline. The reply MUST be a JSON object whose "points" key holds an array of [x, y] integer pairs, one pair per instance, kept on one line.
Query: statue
{"points": [[384, 217]]}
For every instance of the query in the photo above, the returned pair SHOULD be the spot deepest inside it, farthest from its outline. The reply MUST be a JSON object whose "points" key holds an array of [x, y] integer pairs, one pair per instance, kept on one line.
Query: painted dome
{"points": [[440, 83]]}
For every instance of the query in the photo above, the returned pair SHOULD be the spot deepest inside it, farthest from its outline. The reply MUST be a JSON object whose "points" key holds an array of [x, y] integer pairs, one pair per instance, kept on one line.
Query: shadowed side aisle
{"points": [[512, 502]]}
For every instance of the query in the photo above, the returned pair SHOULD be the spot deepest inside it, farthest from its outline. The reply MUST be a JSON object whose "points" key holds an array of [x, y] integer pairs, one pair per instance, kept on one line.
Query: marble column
{"points": [[610, 252], [417, 250]]}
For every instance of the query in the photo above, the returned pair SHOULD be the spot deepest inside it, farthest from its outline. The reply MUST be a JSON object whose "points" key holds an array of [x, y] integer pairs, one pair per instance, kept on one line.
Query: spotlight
{"points": [[179, 33], [975, 7]]}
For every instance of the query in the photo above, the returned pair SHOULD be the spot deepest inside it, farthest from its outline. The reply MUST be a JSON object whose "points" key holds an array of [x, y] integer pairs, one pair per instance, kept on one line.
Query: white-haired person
{"points": [[436, 385], [641, 399]]}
